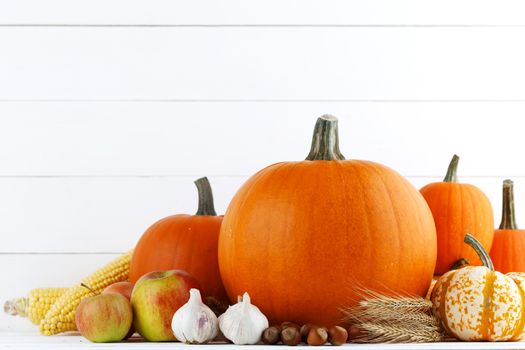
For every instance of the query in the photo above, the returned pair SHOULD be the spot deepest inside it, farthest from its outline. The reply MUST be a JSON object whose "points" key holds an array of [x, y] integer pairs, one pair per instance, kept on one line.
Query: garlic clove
{"points": [[243, 323], [194, 322]]}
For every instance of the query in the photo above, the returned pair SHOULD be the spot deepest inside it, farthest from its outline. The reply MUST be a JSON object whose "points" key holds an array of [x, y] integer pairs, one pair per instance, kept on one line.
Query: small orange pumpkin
{"points": [[508, 247], [458, 208], [184, 242], [303, 237], [476, 303]]}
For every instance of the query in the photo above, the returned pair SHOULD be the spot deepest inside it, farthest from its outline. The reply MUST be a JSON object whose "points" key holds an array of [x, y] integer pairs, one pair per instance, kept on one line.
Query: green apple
{"points": [[155, 298], [104, 318]]}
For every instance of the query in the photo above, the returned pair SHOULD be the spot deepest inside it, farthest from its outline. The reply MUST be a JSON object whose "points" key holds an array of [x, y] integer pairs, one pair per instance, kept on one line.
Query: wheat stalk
{"points": [[393, 319], [378, 315], [392, 333]]}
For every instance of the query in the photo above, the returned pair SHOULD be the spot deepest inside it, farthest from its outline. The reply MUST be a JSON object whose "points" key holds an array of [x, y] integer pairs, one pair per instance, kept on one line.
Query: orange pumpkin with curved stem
{"points": [[458, 208], [184, 242], [303, 237], [509, 242]]}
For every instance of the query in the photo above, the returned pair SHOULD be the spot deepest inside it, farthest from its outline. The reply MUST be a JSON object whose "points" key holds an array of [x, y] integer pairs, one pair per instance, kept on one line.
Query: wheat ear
{"points": [[393, 319]]}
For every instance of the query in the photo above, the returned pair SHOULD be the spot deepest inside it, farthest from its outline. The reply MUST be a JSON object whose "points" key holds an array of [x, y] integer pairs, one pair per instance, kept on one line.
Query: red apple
{"points": [[155, 298], [124, 288], [104, 318]]}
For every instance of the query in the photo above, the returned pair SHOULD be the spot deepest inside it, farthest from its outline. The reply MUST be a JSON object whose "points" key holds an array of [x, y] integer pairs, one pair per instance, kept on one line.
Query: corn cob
{"points": [[61, 317], [35, 305]]}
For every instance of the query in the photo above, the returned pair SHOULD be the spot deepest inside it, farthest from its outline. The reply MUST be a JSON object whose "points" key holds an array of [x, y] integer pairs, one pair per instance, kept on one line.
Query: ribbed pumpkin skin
{"points": [[507, 251], [509, 242], [458, 208], [303, 237], [184, 242]]}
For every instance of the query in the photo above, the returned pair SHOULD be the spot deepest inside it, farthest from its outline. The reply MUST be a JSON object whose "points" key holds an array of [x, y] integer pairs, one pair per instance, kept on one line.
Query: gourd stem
{"points": [[206, 206], [478, 248], [452, 172], [508, 219], [325, 140]]}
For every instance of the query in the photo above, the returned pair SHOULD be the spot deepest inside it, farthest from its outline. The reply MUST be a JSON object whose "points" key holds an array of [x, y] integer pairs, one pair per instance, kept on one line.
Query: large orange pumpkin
{"points": [[184, 242], [457, 209], [509, 242], [304, 237]]}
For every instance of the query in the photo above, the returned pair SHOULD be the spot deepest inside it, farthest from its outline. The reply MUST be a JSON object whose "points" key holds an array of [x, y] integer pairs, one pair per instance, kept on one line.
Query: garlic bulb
{"points": [[243, 323], [194, 322]]}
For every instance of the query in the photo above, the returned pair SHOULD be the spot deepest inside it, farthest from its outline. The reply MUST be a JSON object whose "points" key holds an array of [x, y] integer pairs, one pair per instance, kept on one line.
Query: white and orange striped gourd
{"points": [[476, 303]]}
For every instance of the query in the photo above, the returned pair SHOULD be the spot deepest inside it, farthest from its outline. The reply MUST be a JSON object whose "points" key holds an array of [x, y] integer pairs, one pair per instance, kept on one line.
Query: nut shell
{"points": [[271, 335], [355, 333], [337, 335], [290, 336], [305, 328], [317, 336], [287, 324]]}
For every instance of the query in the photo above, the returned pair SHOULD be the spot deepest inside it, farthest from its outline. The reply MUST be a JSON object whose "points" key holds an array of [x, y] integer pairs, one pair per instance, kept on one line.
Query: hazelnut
{"points": [[271, 335], [287, 324], [305, 328], [317, 336], [354, 332], [337, 335], [290, 336]]}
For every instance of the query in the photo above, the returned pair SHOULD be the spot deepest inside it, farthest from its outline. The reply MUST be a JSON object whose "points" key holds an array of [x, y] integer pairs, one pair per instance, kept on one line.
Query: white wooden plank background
{"points": [[263, 12], [234, 138], [110, 110], [269, 63]]}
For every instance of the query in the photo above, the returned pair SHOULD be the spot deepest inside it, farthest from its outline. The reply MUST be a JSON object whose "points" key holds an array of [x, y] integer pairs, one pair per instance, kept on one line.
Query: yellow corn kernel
{"points": [[61, 316], [35, 305]]}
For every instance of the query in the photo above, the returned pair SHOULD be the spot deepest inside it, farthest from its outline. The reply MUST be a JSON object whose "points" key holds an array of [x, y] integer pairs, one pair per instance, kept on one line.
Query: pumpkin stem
{"points": [[325, 141], [206, 206], [508, 219], [452, 172], [460, 263], [478, 248]]}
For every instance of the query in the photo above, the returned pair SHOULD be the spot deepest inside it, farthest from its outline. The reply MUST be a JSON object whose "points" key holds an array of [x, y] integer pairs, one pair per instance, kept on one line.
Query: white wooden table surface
{"points": [[32, 340]]}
